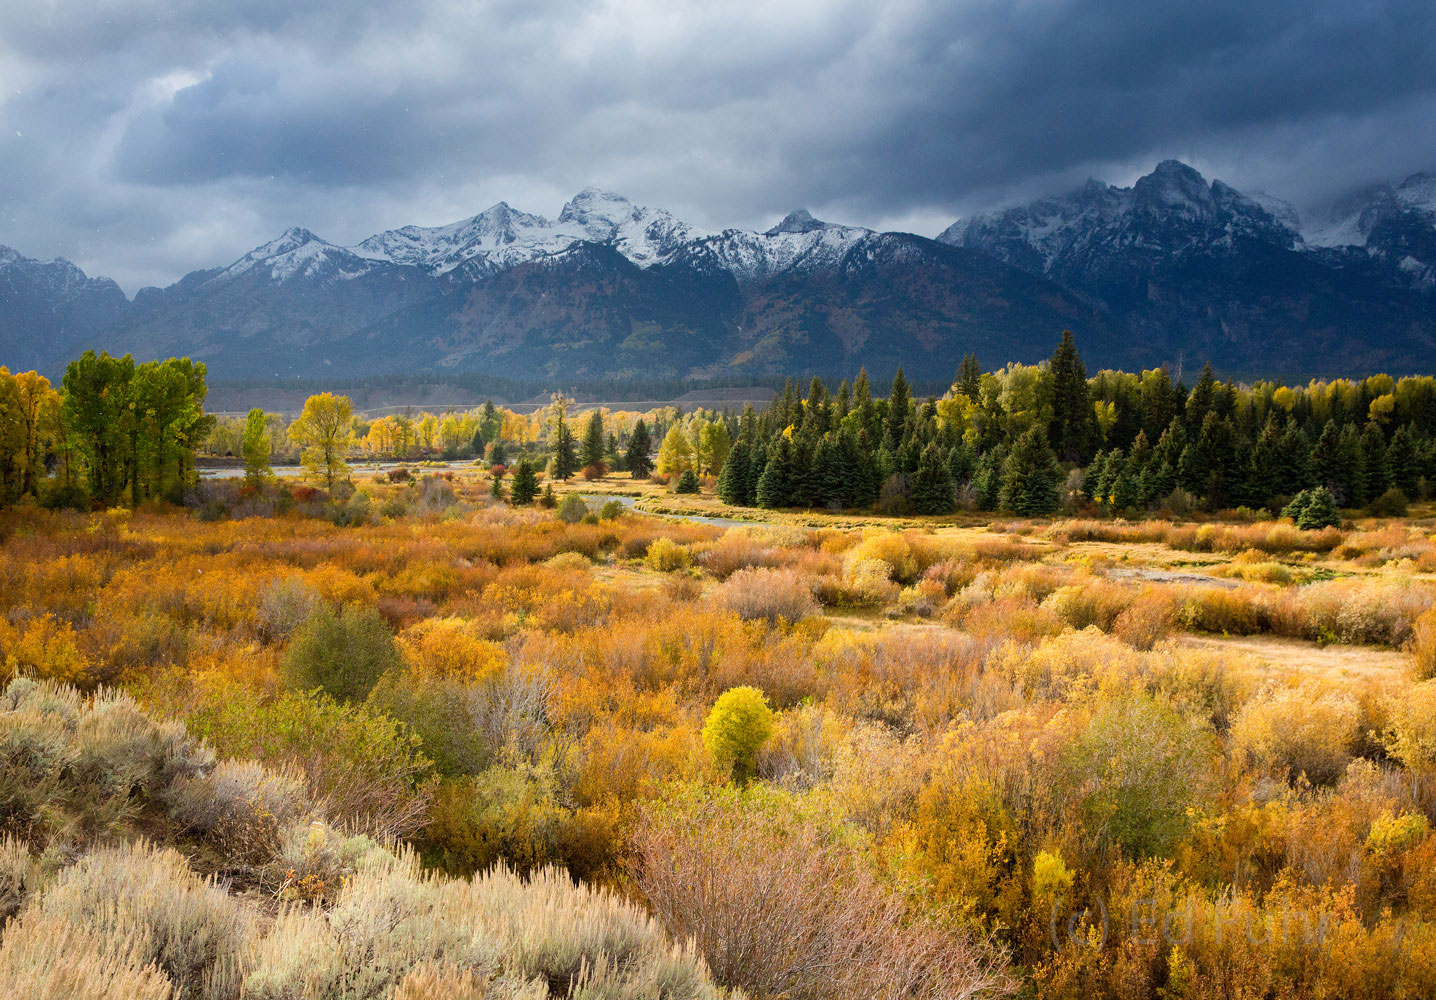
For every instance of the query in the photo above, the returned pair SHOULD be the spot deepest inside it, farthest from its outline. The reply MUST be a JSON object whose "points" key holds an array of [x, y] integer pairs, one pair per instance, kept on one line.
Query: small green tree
{"points": [[736, 729], [343, 653], [525, 484], [1313, 509], [932, 489], [593, 448], [256, 448], [547, 498], [687, 483], [1031, 477], [637, 458], [572, 509]]}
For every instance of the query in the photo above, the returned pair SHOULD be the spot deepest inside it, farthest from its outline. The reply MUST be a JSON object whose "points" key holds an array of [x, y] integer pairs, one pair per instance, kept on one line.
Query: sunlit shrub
{"points": [[1423, 646], [666, 555], [780, 907], [1297, 731], [737, 726], [342, 653], [44, 647], [361, 768], [772, 594]]}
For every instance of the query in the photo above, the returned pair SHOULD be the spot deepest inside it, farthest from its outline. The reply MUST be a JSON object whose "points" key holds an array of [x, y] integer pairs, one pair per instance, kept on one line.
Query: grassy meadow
{"points": [[446, 747]]}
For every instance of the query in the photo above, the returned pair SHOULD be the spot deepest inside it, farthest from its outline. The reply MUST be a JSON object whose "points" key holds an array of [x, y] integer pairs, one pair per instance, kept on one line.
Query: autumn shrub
{"points": [[1410, 735], [1221, 610], [778, 905], [739, 548], [777, 595], [284, 606], [147, 898], [362, 769], [1297, 731], [801, 751], [666, 555], [342, 653], [1423, 646], [1149, 619], [45, 647], [1380, 611], [1138, 768], [737, 726]]}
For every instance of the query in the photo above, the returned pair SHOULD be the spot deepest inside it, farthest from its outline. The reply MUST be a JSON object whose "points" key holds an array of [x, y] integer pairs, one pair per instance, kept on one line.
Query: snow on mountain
{"points": [[502, 237], [1394, 224], [1172, 210]]}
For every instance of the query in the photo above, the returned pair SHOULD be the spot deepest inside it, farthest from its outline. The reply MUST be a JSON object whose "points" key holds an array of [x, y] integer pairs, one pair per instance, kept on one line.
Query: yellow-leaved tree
{"points": [[325, 430]]}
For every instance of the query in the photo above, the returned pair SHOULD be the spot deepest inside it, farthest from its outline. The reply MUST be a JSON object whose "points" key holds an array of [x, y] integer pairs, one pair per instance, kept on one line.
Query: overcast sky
{"points": [[147, 138]]}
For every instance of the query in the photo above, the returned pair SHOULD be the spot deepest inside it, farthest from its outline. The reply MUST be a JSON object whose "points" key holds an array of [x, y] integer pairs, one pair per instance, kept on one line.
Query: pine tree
{"points": [[969, 377], [773, 488], [899, 402], [498, 455], [987, 481], [732, 479], [565, 462], [961, 463], [815, 410], [1405, 462], [1031, 477], [1071, 428], [637, 458], [1375, 472], [1202, 399], [592, 451], [932, 488], [525, 484]]}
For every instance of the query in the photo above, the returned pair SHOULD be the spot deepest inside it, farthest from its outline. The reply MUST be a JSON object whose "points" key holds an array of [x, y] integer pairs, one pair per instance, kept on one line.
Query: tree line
{"points": [[1030, 439]]}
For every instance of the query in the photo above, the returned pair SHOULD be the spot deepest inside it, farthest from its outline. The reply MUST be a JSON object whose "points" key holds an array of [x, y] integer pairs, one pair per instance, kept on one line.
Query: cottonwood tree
{"points": [[325, 432]]}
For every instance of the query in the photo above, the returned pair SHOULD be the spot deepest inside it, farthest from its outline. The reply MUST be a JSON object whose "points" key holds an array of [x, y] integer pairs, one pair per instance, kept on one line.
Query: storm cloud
{"points": [[143, 139]]}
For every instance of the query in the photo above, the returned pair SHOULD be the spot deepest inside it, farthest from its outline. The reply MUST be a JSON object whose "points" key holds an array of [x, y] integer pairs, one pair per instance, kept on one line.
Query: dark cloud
{"points": [[144, 138]]}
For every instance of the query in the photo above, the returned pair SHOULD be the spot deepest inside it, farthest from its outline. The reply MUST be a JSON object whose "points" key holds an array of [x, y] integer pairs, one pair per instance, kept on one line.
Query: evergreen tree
{"points": [[1202, 399], [1031, 477], [1375, 472], [525, 484], [499, 455], [987, 481], [969, 377], [565, 462], [1404, 461], [1071, 427], [637, 458], [932, 488], [899, 402], [815, 411], [733, 479], [961, 463], [773, 489], [757, 462], [593, 448]]}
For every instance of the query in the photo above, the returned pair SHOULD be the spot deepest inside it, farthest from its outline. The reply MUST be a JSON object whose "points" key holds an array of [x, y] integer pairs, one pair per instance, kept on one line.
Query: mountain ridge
{"points": [[1172, 266]]}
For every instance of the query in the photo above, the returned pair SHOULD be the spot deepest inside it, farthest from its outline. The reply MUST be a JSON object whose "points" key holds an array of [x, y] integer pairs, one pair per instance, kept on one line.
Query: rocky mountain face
{"points": [[1173, 267], [48, 307], [1201, 270]]}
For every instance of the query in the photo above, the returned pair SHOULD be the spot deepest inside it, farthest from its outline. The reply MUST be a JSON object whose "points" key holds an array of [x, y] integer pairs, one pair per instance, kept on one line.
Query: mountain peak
{"points": [[601, 213], [1173, 184], [799, 221]]}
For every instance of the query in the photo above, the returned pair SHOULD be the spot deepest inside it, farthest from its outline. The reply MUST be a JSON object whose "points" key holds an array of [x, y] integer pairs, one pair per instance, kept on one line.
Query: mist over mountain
{"points": [[1172, 269]]}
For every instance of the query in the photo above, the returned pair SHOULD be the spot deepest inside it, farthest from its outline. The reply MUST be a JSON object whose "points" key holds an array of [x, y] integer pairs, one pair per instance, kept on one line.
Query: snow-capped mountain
{"points": [[50, 305], [1174, 266], [1396, 224], [1169, 213], [1215, 273]]}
